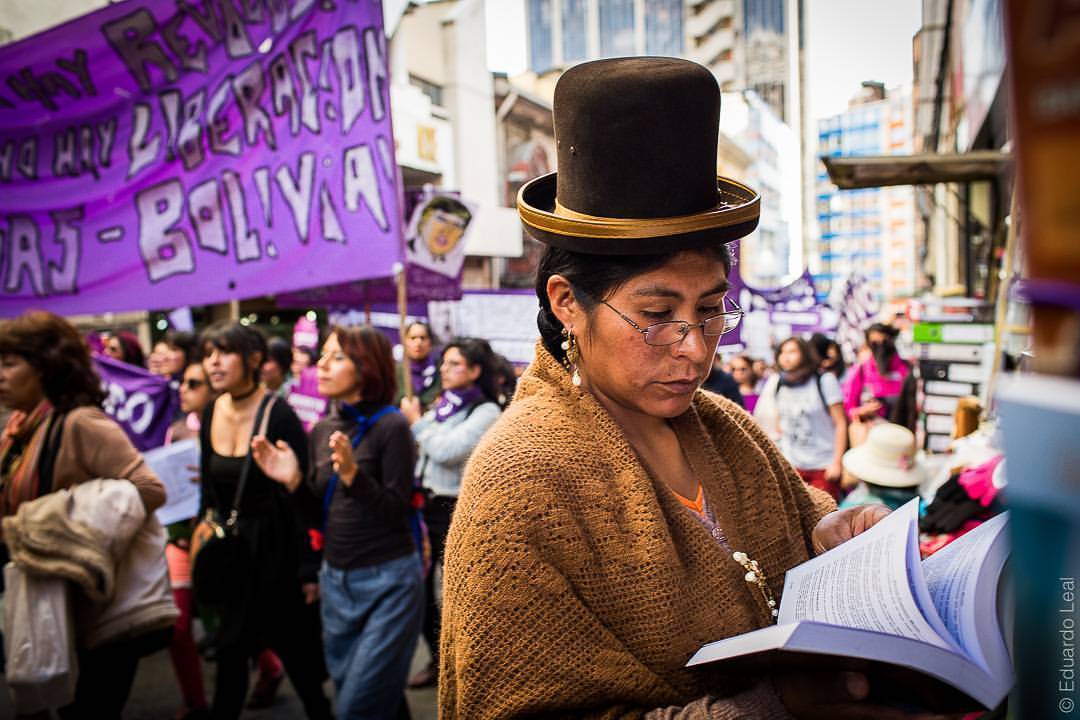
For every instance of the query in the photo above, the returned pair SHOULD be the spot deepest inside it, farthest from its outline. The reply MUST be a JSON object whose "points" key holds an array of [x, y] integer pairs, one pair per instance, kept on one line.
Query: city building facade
{"points": [[866, 231], [960, 100], [564, 32], [771, 147]]}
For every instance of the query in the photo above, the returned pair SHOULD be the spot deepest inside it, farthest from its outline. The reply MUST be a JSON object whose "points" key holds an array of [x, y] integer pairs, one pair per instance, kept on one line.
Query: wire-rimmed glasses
{"points": [[670, 332]]}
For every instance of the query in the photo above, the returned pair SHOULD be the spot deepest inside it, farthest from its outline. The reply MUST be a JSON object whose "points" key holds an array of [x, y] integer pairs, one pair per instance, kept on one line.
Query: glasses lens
{"points": [[720, 324], [665, 333]]}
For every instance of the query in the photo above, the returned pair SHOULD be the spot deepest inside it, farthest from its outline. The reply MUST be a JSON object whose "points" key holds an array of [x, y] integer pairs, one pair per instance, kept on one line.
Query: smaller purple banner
{"points": [[305, 400], [773, 314], [142, 403]]}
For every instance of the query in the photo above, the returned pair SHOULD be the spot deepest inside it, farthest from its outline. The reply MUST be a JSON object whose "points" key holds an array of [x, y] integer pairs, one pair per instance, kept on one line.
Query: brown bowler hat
{"points": [[636, 143]]}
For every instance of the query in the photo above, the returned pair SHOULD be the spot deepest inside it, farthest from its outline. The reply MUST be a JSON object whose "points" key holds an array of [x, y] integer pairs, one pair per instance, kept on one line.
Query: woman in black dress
{"points": [[270, 602]]}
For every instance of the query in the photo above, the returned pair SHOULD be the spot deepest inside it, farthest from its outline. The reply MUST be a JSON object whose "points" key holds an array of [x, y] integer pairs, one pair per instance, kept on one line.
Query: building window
{"points": [[433, 91], [663, 27], [540, 43], [616, 28], [574, 33], [767, 15]]}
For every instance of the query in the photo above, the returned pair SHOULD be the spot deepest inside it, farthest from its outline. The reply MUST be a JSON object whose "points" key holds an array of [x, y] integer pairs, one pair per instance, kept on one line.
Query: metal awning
{"points": [[867, 171]]}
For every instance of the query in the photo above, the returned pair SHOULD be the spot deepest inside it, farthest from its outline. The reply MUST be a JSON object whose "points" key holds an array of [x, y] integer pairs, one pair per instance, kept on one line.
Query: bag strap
{"points": [[820, 392], [262, 418], [47, 465]]}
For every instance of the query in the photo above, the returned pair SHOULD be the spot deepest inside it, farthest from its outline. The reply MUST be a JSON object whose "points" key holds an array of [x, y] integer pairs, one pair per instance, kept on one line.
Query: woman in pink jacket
{"points": [[875, 385]]}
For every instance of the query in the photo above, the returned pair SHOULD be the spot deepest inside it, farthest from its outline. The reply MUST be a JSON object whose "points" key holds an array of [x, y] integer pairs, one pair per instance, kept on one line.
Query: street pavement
{"points": [[156, 696]]}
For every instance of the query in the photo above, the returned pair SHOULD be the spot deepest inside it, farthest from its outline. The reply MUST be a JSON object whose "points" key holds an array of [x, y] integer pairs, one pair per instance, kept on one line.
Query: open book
{"points": [[872, 599]]}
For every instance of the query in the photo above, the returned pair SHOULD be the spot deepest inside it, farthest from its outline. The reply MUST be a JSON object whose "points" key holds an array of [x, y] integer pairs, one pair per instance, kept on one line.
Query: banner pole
{"points": [[403, 313]]}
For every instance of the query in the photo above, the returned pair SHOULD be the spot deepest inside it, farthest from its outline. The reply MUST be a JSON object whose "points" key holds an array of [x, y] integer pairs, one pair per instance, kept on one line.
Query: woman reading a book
{"points": [[616, 517]]}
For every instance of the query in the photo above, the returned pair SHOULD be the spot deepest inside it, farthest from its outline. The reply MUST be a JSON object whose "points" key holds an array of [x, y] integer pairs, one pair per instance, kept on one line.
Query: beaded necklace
{"points": [[754, 574]]}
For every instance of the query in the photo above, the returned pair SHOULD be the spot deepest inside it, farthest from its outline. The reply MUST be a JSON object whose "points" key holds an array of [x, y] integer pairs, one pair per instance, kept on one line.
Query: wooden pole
{"points": [[403, 319], [1002, 305]]}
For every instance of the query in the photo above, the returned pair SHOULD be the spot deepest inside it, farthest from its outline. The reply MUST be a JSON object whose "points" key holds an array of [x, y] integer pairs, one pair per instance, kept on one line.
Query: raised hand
{"points": [[342, 457], [278, 461], [410, 408]]}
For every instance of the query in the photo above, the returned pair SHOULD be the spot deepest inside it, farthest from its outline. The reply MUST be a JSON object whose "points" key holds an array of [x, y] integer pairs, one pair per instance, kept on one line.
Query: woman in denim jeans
{"points": [[371, 585]]}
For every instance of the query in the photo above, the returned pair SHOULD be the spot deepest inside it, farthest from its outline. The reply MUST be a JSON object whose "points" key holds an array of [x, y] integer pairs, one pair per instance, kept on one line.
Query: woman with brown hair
{"points": [[809, 406], [58, 436], [269, 601], [370, 582]]}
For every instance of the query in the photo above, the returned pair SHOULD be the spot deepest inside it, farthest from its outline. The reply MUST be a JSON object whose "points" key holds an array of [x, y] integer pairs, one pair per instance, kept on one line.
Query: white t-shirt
{"points": [[807, 432]]}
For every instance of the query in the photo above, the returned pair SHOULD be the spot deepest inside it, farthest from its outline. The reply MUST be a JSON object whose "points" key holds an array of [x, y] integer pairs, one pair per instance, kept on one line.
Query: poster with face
{"points": [[435, 238]]}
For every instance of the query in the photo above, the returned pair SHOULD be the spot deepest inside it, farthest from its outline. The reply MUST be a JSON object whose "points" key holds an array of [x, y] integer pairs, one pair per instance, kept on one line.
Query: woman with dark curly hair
{"points": [[58, 436]]}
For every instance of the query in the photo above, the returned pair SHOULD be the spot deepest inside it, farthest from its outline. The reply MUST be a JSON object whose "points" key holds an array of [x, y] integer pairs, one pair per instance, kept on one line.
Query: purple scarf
{"points": [[423, 374], [452, 402]]}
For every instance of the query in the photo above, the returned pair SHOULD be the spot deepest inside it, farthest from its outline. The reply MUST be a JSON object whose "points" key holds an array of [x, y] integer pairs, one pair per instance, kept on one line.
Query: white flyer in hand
{"points": [[177, 466]]}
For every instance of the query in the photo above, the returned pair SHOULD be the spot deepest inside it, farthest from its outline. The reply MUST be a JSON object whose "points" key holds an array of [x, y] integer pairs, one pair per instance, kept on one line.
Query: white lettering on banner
{"points": [[185, 118], [165, 250], [21, 244], [24, 254], [135, 410], [159, 158], [308, 408]]}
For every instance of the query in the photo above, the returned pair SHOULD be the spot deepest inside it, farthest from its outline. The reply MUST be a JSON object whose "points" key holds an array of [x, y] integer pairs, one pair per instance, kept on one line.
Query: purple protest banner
{"points": [[774, 314], [143, 404], [157, 153]]}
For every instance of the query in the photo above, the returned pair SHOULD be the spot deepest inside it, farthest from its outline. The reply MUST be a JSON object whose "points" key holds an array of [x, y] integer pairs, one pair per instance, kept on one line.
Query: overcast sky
{"points": [[848, 41]]}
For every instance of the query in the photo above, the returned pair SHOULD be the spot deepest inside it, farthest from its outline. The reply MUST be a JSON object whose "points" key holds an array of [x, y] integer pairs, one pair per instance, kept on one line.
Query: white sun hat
{"points": [[887, 458]]}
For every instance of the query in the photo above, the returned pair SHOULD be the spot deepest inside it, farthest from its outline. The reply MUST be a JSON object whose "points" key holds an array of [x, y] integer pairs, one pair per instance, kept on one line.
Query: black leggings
{"points": [[298, 642], [106, 674], [437, 513]]}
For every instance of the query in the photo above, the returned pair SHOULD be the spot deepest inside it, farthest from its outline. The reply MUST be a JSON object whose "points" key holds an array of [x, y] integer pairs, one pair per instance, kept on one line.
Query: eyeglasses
{"points": [[192, 384], [673, 331]]}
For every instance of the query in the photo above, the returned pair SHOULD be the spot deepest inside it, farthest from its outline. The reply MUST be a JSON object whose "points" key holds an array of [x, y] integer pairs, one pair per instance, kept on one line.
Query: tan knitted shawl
{"points": [[577, 586]]}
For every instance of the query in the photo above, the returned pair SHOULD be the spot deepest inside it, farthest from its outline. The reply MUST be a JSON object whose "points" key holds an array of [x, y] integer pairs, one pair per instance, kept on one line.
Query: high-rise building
{"points": [[564, 32], [773, 170], [765, 54], [869, 231]]}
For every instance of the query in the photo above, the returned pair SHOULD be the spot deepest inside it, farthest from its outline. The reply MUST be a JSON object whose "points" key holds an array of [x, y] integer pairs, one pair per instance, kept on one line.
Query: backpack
{"points": [[820, 392]]}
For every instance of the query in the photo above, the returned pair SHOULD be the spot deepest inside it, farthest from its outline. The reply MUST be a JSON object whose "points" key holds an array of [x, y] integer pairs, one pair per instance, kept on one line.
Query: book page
{"points": [[863, 583], [954, 575]]}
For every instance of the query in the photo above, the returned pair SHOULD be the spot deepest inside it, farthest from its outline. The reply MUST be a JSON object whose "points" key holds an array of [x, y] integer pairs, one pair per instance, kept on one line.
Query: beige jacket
{"points": [[98, 535], [94, 446]]}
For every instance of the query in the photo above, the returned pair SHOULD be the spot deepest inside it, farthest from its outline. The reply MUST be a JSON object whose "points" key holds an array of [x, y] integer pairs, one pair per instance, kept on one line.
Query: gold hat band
{"points": [[736, 204]]}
